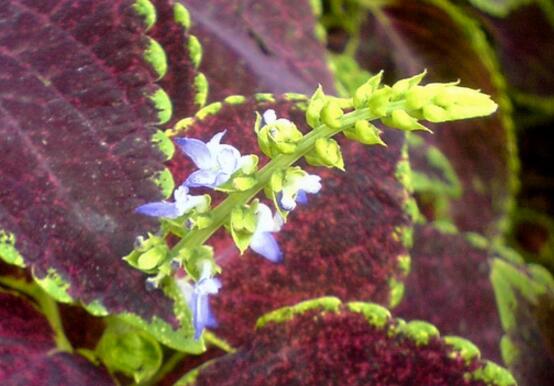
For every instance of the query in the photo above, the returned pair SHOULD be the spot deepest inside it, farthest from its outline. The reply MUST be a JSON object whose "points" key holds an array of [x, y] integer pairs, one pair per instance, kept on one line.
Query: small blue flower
{"points": [[199, 302], [184, 203], [263, 241], [295, 190], [216, 162]]}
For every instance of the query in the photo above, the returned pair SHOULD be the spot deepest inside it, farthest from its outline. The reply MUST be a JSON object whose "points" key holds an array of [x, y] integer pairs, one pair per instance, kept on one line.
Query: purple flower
{"points": [[295, 190], [216, 162], [263, 241], [184, 203], [198, 301]]}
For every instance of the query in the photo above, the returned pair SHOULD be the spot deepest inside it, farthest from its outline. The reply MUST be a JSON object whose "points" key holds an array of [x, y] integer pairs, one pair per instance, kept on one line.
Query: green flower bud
{"points": [[242, 225], [400, 119], [366, 90], [379, 101], [197, 260], [148, 254], [278, 137], [365, 132], [250, 164], [404, 85], [326, 153], [242, 183], [331, 114], [463, 102], [434, 113], [418, 97], [276, 181], [152, 258], [316, 103]]}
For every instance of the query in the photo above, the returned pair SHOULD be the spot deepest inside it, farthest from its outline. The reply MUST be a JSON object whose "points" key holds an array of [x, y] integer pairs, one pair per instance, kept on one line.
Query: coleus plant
{"points": [[95, 97]]}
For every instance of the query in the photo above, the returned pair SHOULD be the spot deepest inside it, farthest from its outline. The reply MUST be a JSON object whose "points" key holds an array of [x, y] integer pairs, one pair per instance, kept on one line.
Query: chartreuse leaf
{"points": [[525, 296], [8, 251], [130, 351], [322, 339]]}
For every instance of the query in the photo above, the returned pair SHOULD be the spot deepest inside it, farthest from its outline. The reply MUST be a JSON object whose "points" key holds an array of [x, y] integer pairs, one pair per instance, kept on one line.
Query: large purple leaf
{"points": [[449, 286], [525, 296], [347, 241], [254, 46], [322, 342], [524, 42], [27, 351], [78, 108], [438, 37]]}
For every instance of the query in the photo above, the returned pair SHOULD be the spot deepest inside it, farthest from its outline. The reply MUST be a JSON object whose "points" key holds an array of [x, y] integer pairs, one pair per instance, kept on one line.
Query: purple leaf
{"points": [[347, 241], [449, 286], [524, 43], [27, 351], [76, 122], [253, 46], [321, 342]]}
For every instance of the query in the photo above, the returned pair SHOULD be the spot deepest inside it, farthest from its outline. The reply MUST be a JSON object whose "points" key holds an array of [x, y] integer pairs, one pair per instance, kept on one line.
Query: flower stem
{"points": [[221, 213]]}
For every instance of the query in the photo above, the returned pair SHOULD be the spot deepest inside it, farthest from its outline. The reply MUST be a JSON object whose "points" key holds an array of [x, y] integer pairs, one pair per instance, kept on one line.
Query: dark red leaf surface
{"points": [[75, 149], [339, 348], [253, 46], [525, 41], [27, 355], [346, 241], [449, 286], [419, 35]]}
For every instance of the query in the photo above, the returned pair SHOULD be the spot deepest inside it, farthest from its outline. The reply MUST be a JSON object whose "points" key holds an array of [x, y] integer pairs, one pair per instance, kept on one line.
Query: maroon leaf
{"points": [[76, 121], [354, 344], [524, 43], [481, 150], [449, 286], [254, 46], [525, 297], [347, 241], [27, 351]]}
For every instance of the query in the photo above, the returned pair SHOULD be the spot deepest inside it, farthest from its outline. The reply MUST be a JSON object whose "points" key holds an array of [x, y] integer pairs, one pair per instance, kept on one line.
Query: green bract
{"points": [[242, 224]]}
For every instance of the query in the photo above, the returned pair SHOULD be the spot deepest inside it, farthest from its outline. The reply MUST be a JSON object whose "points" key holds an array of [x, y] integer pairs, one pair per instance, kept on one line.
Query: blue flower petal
{"points": [[202, 178], [197, 151], [301, 197], [159, 209], [265, 244]]}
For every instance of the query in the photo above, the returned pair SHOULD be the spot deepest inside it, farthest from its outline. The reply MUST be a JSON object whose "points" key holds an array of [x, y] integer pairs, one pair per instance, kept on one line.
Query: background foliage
{"points": [[453, 228]]}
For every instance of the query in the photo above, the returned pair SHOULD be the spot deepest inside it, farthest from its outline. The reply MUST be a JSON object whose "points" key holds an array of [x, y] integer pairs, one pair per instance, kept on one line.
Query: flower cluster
{"points": [[221, 167], [250, 222]]}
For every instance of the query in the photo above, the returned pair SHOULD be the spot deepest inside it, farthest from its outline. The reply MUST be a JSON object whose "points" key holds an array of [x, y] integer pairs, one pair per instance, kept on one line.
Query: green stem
{"points": [[221, 213], [166, 368], [46, 304]]}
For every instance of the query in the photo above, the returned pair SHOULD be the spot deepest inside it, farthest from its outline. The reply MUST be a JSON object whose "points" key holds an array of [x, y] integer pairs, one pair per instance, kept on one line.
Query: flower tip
{"points": [[269, 116]]}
